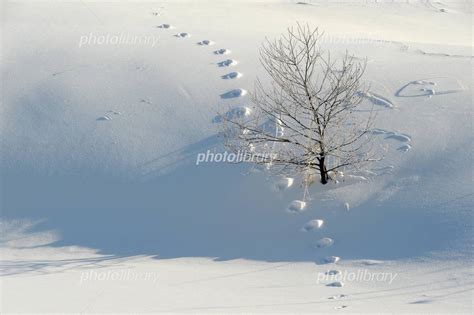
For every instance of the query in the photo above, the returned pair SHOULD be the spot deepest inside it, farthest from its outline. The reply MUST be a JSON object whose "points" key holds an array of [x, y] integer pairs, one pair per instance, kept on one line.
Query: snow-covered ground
{"points": [[106, 106]]}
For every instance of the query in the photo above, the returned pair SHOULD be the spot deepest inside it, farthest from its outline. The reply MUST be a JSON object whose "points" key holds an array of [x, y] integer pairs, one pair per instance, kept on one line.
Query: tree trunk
{"points": [[323, 171]]}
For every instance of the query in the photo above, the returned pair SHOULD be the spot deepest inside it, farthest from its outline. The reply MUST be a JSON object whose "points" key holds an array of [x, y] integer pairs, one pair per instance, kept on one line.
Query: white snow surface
{"points": [[103, 208]]}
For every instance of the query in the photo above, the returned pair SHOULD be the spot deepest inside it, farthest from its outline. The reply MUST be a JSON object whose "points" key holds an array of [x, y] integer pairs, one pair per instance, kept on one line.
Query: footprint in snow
{"points": [[146, 101], [324, 242], [339, 307], [336, 284], [429, 92], [284, 183], [331, 259], [312, 225], [399, 137], [377, 99], [165, 26], [227, 63], [384, 170], [425, 87], [237, 112], [234, 93], [297, 206], [222, 51], [206, 42], [183, 35], [332, 272], [232, 75], [337, 297], [104, 118], [370, 262], [108, 116], [404, 148], [394, 136]]}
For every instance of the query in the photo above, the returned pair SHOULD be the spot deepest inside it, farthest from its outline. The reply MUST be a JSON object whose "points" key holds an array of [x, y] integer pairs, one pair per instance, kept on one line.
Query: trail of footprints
{"points": [[284, 183]]}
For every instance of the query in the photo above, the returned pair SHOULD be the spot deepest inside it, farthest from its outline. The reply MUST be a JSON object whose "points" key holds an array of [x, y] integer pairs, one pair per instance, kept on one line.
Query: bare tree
{"points": [[309, 117]]}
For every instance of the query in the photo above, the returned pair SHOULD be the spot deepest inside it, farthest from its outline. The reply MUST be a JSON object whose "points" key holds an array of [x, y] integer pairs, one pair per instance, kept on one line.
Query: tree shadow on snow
{"points": [[216, 210]]}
